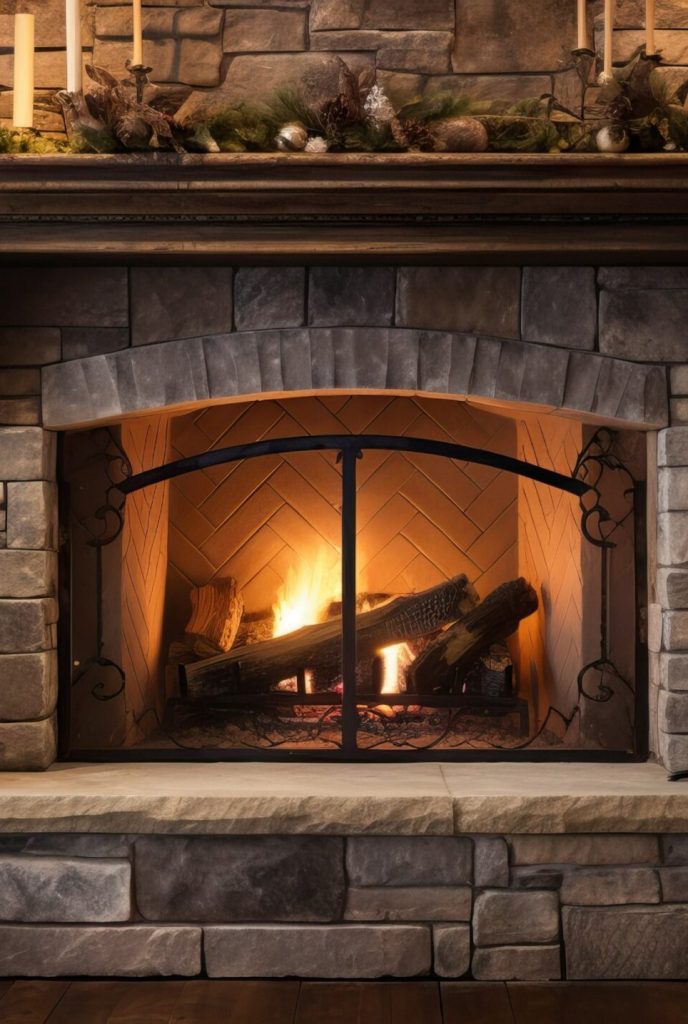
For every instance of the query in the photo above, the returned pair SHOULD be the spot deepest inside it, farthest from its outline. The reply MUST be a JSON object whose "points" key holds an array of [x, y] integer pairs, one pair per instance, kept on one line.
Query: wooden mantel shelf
{"points": [[346, 207]]}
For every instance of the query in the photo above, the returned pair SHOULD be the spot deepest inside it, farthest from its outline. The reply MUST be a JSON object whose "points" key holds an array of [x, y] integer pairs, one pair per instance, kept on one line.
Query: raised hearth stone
{"points": [[417, 903], [626, 942], [335, 951], [280, 878], [452, 950], [401, 862], [133, 951], [511, 918], [517, 963], [64, 889]]}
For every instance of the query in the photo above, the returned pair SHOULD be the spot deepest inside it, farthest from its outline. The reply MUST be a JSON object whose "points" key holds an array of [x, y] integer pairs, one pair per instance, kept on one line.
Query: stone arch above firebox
{"points": [[196, 371]]}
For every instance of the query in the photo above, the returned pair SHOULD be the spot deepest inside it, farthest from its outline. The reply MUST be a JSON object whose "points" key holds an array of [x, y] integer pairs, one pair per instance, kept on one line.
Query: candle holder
{"points": [[584, 62], [653, 58], [139, 74]]}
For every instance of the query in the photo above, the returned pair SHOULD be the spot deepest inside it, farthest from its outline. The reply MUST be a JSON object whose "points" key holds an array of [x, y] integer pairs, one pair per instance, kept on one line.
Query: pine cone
{"points": [[412, 134]]}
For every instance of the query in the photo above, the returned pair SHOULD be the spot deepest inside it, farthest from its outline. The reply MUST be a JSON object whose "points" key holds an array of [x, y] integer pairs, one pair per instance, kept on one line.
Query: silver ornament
{"points": [[317, 145], [612, 139], [291, 138], [377, 109]]}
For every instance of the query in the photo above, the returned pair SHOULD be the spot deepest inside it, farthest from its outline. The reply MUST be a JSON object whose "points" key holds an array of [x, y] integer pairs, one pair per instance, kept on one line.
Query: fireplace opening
{"points": [[355, 577]]}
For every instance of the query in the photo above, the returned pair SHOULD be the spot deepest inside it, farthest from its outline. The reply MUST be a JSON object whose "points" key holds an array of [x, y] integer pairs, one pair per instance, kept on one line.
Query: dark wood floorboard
{"points": [[354, 1002], [606, 1002], [313, 1002], [236, 1002], [30, 1002], [476, 1002]]}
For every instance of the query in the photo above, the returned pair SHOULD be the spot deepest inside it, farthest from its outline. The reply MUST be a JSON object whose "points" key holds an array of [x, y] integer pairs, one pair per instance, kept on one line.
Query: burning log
{"points": [[442, 664], [255, 668]]}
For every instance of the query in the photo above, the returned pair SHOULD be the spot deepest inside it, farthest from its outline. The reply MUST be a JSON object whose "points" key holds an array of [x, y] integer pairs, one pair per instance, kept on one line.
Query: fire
{"points": [[395, 660], [305, 596], [304, 600]]}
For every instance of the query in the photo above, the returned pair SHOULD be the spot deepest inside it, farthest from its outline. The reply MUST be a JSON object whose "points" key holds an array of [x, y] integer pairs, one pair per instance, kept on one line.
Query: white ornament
{"points": [[612, 140], [378, 109], [605, 78], [317, 145], [291, 137]]}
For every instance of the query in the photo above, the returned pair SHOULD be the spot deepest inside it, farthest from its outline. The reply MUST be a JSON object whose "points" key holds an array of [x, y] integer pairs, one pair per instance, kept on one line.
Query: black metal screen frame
{"points": [[350, 449]]}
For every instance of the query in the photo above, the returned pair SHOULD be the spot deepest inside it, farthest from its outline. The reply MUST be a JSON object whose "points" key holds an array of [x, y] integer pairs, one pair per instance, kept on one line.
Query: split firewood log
{"points": [[441, 666], [257, 667], [216, 611]]}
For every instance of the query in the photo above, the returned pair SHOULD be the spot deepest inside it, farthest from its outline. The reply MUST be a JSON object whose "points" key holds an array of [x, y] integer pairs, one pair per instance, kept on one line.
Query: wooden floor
{"points": [[294, 1002]]}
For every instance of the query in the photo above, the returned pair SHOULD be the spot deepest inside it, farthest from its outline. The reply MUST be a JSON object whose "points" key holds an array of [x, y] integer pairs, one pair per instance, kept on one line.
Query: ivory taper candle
{"points": [[137, 58], [582, 24], [73, 24], [650, 26], [609, 6], [22, 112]]}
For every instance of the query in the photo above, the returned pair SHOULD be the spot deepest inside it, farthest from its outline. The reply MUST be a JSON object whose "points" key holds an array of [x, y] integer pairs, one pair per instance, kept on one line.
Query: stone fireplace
{"points": [[148, 318]]}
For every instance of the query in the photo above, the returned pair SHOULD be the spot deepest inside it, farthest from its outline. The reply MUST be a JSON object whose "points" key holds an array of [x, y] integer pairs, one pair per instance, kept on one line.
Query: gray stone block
{"points": [[82, 342], [67, 844], [28, 686], [382, 860], [351, 295], [127, 951], [673, 671], [517, 963], [560, 306], [32, 515], [484, 300], [21, 411], [673, 488], [678, 377], [672, 447], [648, 326], [675, 631], [672, 538], [490, 862], [26, 453], [61, 889], [340, 951], [81, 391], [27, 746], [265, 878], [29, 346], [584, 849], [416, 359], [537, 878], [678, 408], [358, 363], [65, 296], [674, 849], [169, 303], [673, 751], [27, 573], [620, 943], [502, 918], [674, 884], [20, 380], [390, 14], [256, 31], [634, 278], [609, 886], [451, 950], [25, 625], [672, 712], [416, 903], [266, 297]]}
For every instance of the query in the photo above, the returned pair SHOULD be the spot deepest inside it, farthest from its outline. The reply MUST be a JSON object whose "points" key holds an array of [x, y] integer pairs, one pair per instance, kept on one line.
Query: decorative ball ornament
{"points": [[292, 138], [612, 139], [459, 135], [317, 145]]}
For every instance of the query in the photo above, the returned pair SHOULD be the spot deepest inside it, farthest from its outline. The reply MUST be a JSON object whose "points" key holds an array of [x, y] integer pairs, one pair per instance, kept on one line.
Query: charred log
{"points": [[442, 665], [255, 668]]}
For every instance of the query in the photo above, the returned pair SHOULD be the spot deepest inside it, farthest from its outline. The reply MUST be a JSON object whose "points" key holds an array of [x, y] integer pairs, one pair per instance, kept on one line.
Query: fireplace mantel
{"points": [[416, 208]]}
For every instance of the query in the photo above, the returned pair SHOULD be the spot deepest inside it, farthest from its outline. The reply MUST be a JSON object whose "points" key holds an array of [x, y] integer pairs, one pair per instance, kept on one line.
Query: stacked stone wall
{"points": [[492, 908], [233, 50]]}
